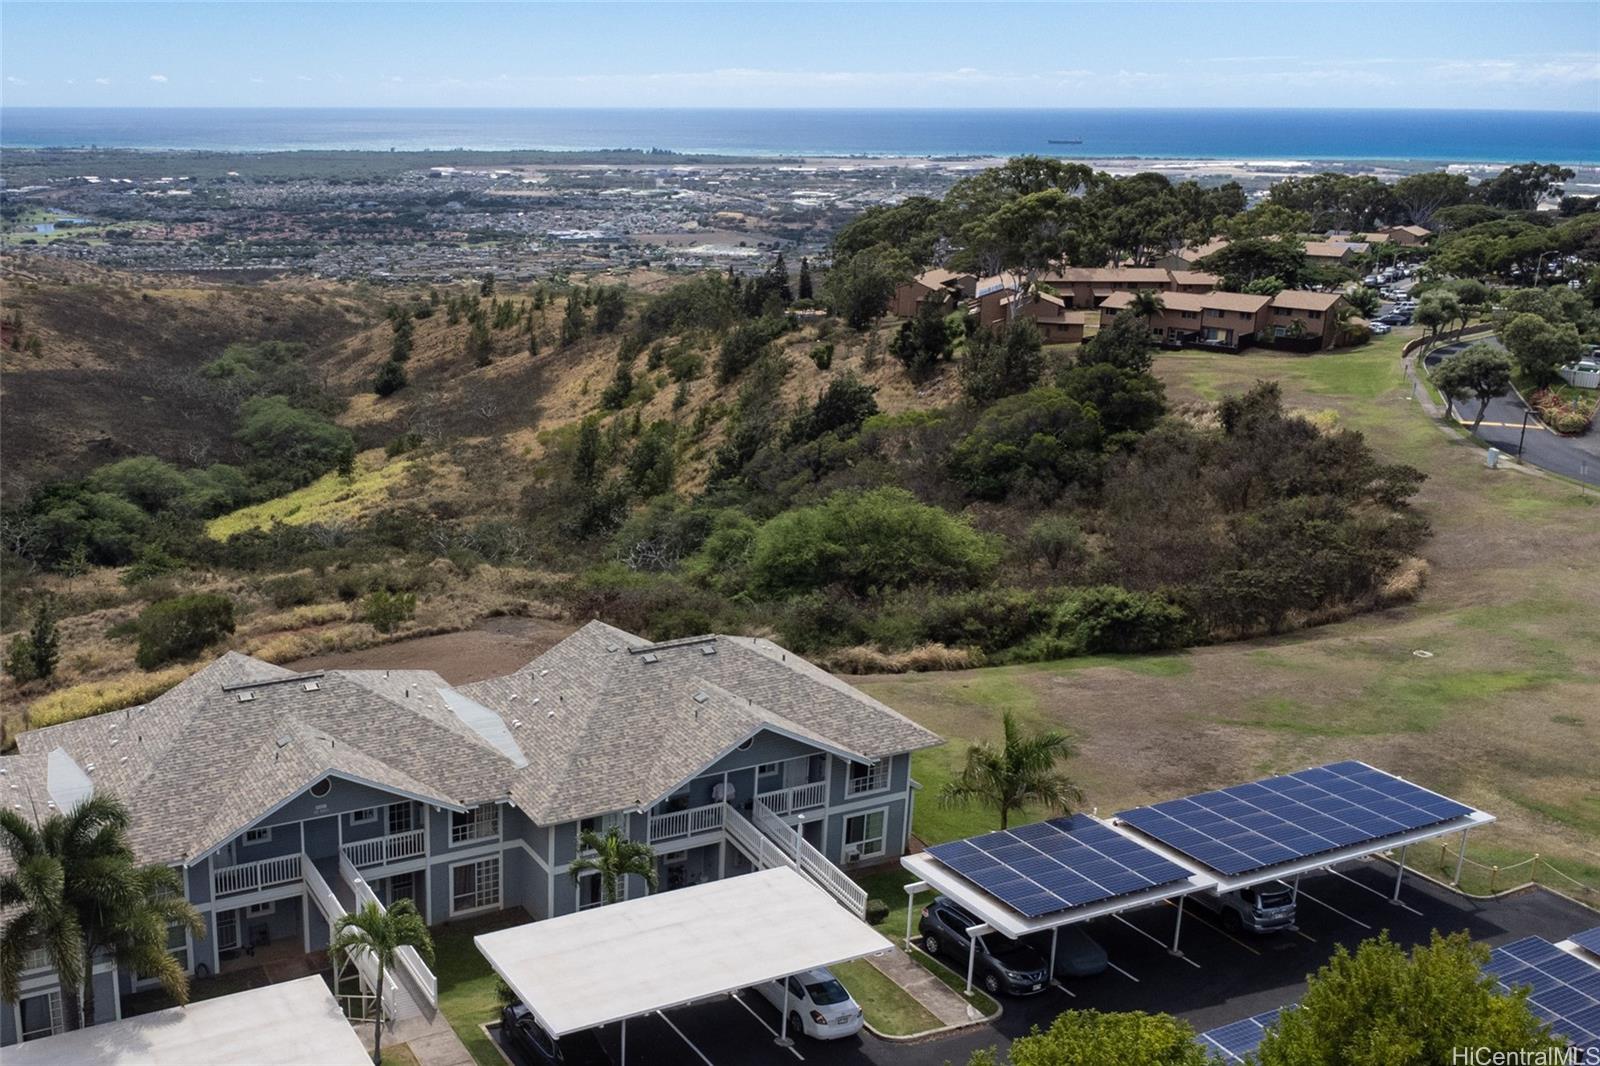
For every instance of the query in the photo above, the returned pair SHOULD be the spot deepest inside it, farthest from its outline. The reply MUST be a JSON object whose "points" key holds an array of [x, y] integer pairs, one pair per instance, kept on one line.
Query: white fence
{"points": [[1582, 379], [255, 876], [686, 823], [380, 851], [812, 862], [799, 798]]}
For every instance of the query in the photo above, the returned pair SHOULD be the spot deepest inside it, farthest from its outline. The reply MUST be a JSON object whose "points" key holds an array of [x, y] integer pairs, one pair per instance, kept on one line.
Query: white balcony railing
{"points": [[380, 851], [686, 823], [255, 876], [874, 780], [799, 798]]}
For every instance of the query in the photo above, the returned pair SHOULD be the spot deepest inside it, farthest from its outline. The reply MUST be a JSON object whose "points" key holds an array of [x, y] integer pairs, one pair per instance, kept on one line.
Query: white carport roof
{"points": [[297, 1023], [603, 965]]}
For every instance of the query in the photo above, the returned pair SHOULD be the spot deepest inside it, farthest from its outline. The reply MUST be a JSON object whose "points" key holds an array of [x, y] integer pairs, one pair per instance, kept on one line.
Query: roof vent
{"points": [[546, 670], [283, 741], [652, 658], [611, 647], [310, 686], [536, 699], [700, 697], [246, 697], [709, 649]]}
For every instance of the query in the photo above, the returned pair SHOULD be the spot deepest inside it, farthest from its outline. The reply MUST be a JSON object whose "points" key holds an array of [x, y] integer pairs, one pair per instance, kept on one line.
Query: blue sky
{"points": [[1468, 55]]}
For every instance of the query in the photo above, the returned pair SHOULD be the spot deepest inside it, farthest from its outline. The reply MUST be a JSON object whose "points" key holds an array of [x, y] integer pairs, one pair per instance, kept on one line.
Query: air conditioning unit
{"points": [[852, 855]]}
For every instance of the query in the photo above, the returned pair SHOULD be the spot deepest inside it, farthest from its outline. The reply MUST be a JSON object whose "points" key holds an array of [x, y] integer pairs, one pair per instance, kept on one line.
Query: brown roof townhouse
{"points": [[946, 287], [1408, 236], [1234, 320]]}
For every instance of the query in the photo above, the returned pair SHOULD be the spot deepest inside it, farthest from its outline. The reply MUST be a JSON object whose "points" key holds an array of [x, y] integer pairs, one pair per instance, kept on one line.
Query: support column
{"points": [[1177, 929], [1400, 873], [1050, 974], [624, 1042], [911, 909], [1294, 890], [783, 1030], [1461, 857], [972, 958]]}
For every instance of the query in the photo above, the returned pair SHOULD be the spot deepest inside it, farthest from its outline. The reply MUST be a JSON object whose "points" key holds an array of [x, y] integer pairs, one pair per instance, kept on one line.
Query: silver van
{"points": [[1266, 908]]}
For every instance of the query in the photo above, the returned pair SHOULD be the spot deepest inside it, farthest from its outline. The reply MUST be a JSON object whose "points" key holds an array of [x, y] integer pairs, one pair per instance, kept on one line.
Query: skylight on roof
{"points": [[484, 722]]}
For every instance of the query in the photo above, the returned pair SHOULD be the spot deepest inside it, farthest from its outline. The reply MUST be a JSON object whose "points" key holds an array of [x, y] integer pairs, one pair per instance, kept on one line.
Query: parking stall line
{"points": [[1162, 944], [1381, 895], [685, 1039], [763, 1023], [1349, 918]]}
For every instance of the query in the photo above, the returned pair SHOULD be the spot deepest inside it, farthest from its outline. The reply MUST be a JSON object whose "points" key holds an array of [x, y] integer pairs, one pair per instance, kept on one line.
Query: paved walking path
{"points": [[943, 1002]]}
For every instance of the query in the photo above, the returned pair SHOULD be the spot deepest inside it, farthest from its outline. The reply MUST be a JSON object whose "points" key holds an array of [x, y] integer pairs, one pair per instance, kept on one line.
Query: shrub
{"points": [[865, 541], [1039, 443], [290, 590], [1107, 618], [98, 697], [182, 628], [386, 610], [391, 379], [822, 355], [877, 911], [20, 659]]}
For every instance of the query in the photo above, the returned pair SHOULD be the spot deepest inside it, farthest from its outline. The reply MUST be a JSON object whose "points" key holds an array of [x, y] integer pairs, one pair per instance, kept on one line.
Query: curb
{"points": [[999, 1009]]}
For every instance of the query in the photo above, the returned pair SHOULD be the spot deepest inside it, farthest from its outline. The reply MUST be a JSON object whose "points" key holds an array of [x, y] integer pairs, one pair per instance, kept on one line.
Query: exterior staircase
{"points": [[768, 842]]}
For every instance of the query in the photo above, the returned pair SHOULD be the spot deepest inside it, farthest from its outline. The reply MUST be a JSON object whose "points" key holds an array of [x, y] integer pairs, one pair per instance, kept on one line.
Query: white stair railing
{"points": [[761, 850], [811, 861], [422, 977], [366, 966]]}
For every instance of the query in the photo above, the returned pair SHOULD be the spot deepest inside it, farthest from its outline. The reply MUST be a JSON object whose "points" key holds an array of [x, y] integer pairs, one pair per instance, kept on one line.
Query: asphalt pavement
{"points": [[1502, 427], [1221, 977]]}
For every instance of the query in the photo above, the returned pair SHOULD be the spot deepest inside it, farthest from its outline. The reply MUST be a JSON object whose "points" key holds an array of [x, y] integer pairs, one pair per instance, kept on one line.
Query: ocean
{"points": [[1221, 134]]}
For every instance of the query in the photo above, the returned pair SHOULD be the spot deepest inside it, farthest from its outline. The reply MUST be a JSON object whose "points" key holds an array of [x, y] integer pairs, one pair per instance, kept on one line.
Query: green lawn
{"points": [[467, 984], [888, 1008]]}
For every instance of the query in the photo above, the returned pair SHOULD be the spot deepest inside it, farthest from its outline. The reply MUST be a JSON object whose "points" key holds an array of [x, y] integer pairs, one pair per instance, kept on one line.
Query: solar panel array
{"points": [[1588, 940], [1281, 819], [1236, 1040], [1565, 989], [1051, 866]]}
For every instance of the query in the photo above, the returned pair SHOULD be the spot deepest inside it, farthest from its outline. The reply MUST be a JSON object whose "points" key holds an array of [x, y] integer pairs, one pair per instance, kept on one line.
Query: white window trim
{"points": [[261, 910], [483, 828], [883, 770], [364, 816], [844, 834], [55, 1010], [261, 835], [499, 884], [577, 892], [388, 817]]}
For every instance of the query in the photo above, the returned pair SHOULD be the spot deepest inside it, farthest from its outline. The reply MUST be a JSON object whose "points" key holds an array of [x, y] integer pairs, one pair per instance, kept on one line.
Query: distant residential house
{"points": [[1334, 253], [1407, 236], [1193, 281], [1299, 313], [1086, 287], [946, 287], [1225, 320], [286, 799], [1057, 324], [1187, 258]]}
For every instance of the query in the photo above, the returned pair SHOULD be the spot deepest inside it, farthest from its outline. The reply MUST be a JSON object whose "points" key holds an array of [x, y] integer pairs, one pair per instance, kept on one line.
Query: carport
{"points": [[1031, 880], [644, 956]]}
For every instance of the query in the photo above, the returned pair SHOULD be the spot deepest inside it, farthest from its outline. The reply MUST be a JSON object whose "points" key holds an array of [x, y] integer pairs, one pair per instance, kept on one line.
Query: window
{"points": [[364, 817], [589, 891], [769, 777], [480, 823], [1313, 315], [259, 910], [1281, 312], [401, 818], [865, 777], [863, 835], [475, 885], [402, 886], [1190, 314], [601, 824], [322, 788], [1212, 312], [41, 1015], [257, 836]]}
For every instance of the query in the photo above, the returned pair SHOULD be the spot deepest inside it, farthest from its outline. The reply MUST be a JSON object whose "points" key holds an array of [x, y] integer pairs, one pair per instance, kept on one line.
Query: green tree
{"points": [[390, 379], [386, 610], [612, 858], [1364, 301], [1481, 371], [181, 628], [1002, 362], [654, 460], [77, 891], [805, 289], [1058, 540], [1018, 772], [1093, 1038], [573, 320], [859, 288], [1521, 187], [1254, 258], [610, 307], [586, 454], [380, 934], [1127, 402], [32, 656], [1539, 347], [1436, 310], [1038, 442], [1126, 343], [1421, 195], [615, 395], [486, 287], [480, 345], [1379, 1007], [923, 342], [400, 348]]}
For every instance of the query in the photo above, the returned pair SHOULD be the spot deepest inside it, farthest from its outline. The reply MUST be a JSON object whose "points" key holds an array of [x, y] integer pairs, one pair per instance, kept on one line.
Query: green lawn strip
{"points": [[937, 822], [956, 982], [889, 1009], [397, 1055], [467, 984]]}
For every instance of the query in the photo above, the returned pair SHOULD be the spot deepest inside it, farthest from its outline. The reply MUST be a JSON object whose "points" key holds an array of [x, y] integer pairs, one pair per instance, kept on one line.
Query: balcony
{"points": [[381, 851], [686, 823], [796, 799], [255, 876], [875, 779]]}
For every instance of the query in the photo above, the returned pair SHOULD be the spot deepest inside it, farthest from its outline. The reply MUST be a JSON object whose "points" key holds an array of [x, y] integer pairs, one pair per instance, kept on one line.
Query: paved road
{"points": [[1221, 978], [1575, 457]]}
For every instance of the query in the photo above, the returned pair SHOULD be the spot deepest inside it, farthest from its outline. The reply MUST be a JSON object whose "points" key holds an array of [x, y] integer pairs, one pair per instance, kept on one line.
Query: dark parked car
{"points": [[540, 1048], [1001, 964], [1076, 954]]}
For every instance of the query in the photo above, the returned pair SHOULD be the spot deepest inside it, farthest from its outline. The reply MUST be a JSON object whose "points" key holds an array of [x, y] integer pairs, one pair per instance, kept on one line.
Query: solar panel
{"points": [[1051, 866], [1588, 940], [1564, 990], [1237, 1040], [1281, 819]]}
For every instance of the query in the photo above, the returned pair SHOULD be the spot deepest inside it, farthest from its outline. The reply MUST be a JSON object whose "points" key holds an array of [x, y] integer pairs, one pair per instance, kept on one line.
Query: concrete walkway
{"points": [[943, 1002], [433, 1042]]}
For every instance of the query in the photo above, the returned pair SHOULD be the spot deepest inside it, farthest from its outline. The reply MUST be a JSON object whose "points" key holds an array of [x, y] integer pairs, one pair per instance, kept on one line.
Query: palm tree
{"points": [[100, 902], [383, 933], [1146, 303], [614, 858], [1019, 772]]}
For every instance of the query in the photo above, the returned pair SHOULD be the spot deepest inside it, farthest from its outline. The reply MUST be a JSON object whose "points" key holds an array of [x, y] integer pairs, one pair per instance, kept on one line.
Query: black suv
{"points": [[522, 1032], [1001, 964]]}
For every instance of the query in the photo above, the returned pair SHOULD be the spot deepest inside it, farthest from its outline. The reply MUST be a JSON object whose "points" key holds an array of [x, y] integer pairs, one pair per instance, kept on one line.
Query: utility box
{"points": [[1492, 460]]}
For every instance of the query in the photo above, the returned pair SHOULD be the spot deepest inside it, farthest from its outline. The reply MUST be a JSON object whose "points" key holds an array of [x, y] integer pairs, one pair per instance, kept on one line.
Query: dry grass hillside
{"points": [[115, 371]]}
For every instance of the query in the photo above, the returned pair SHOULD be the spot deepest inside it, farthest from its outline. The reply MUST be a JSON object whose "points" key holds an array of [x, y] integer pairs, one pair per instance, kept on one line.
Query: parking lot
{"points": [[1221, 978]]}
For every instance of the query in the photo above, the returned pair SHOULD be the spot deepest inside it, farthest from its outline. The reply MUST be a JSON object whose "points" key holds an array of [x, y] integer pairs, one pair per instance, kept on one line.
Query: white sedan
{"points": [[818, 1005], [1378, 328]]}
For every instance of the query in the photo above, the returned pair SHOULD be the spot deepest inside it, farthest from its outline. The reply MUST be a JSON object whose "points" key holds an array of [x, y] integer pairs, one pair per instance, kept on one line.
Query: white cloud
{"points": [[102, 81], [158, 77], [304, 77], [258, 81], [14, 80]]}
